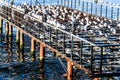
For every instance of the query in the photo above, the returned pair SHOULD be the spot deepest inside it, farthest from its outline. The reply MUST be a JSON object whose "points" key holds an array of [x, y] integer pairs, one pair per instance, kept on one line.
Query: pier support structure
{"points": [[96, 78], [10, 39], [7, 28], [18, 44], [42, 54], [21, 47], [7, 34], [32, 53], [69, 70], [1, 25]]}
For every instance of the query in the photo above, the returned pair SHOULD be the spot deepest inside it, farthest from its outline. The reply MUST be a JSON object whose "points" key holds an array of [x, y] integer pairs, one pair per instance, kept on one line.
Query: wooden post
{"points": [[8, 49], [112, 12], [42, 52], [96, 8], [7, 33], [1, 25], [7, 28], [87, 6], [101, 10], [118, 14], [71, 4], [70, 70], [82, 6], [101, 60], [54, 54], [106, 11], [91, 8], [91, 64], [75, 4], [32, 53], [10, 40], [61, 2], [10, 30], [18, 44], [96, 78], [21, 47], [81, 51]]}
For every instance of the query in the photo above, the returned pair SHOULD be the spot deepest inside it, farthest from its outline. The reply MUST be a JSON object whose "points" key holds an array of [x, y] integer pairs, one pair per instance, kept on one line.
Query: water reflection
{"points": [[41, 76]]}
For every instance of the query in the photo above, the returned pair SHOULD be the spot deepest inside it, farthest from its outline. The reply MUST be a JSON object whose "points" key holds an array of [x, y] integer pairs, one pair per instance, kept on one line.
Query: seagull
{"points": [[113, 30], [100, 33], [118, 25], [72, 19], [109, 26], [58, 24], [23, 26], [86, 27], [63, 26]]}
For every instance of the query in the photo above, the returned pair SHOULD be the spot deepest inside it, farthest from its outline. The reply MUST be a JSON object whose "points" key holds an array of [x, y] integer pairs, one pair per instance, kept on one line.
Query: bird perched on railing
{"points": [[113, 30], [11, 2]]}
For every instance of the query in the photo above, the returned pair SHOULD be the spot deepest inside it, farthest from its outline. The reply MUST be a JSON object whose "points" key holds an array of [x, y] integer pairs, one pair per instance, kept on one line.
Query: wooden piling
{"points": [[7, 33], [54, 54], [18, 44], [96, 78], [118, 14], [87, 6], [91, 8], [75, 4], [101, 10], [10, 40], [71, 3], [70, 70], [96, 8], [7, 28], [82, 6], [61, 2], [21, 47], [42, 52], [32, 53], [111, 12], [91, 65], [106, 11], [1, 25], [10, 30], [68, 3]]}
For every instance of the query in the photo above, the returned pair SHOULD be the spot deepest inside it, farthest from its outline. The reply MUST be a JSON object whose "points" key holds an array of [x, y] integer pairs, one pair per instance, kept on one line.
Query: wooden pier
{"points": [[91, 44]]}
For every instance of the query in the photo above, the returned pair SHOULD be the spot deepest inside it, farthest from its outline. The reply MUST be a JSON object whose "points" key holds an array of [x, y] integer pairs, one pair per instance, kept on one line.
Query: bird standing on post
{"points": [[11, 2]]}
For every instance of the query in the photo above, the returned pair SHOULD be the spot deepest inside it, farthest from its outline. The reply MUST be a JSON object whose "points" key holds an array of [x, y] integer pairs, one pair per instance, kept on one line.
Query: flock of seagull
{"points": [[64, 18]]}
